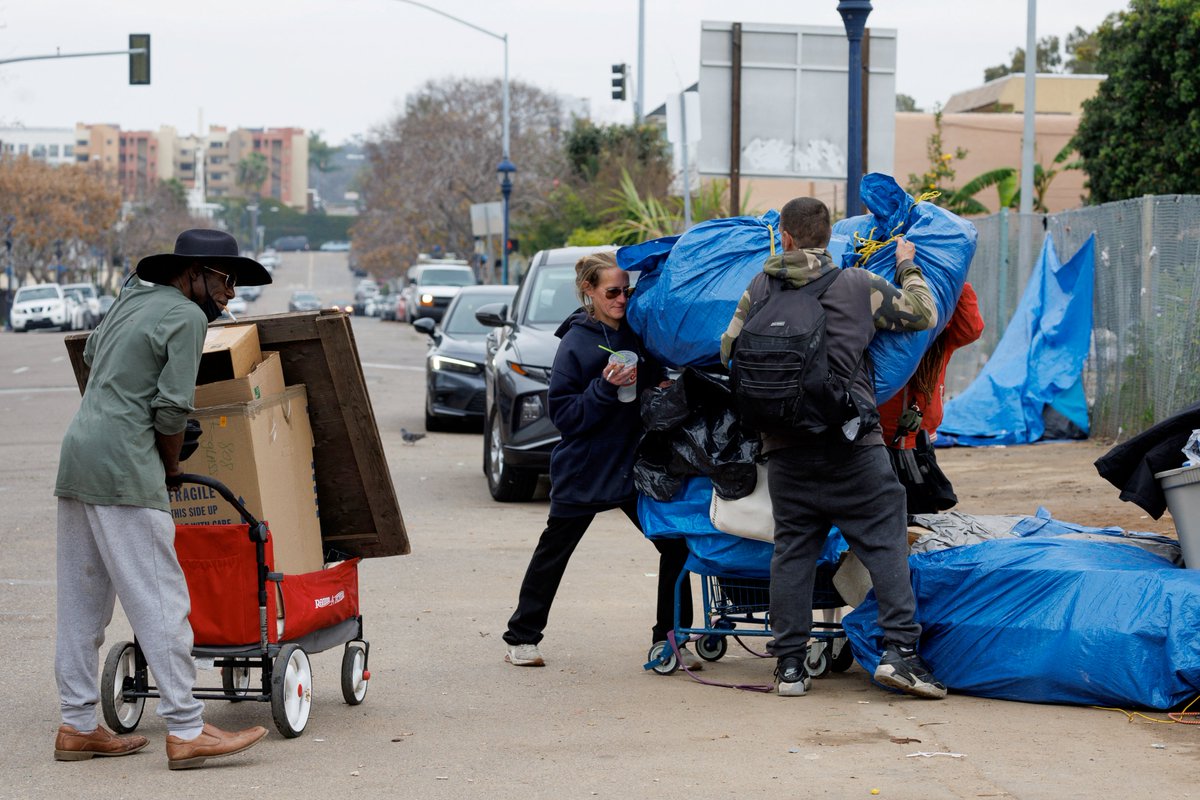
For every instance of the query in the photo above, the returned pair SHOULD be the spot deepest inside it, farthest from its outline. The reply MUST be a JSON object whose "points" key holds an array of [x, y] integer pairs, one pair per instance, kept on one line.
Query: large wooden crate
{"points": [[360, 515]]}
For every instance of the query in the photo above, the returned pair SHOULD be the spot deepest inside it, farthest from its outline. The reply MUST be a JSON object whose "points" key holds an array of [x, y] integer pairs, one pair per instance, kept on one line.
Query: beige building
{"points": [[1056, 94]]}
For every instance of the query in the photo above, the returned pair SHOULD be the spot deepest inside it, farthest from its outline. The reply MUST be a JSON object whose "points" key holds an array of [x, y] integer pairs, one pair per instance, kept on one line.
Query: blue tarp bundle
{"points": [[1038, 362], [945, 246], [690, 285], [1051, 620], [712, 552]]}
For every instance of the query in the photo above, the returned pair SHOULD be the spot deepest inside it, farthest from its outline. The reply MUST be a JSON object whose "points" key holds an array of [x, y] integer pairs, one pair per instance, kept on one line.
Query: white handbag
{"points": [[749, 517]]}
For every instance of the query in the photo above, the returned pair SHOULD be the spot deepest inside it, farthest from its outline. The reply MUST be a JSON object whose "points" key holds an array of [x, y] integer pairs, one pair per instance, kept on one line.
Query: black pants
{"points": [[855, 489], [549, 562]]}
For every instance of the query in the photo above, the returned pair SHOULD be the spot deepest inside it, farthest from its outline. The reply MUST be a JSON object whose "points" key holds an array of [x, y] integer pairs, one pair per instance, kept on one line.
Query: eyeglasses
{"points": [[230, 280], [613, 291]]}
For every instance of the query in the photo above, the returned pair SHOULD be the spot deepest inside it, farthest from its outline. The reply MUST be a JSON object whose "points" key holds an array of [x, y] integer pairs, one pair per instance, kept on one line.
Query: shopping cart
{"points": [[736, 607], [234, 597]]}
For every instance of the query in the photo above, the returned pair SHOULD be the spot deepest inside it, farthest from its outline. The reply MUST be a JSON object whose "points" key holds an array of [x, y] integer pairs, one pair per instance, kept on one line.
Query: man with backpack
{"points": [[802, 378]]}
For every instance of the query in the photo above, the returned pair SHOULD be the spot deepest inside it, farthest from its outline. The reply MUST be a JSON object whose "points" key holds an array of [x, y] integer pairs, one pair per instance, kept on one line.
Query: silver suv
{"points": [[430, 287]]}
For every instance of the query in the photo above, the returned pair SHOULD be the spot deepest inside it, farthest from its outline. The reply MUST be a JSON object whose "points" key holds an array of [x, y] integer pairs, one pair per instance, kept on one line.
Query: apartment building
{"points": [[55, 146]]}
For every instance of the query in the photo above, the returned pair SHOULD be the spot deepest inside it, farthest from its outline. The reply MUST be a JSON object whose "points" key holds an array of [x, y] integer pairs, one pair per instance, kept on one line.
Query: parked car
{"points": [[91, 302], [286, 244], [518, 435], [430, 287], [342, 305], [304, 300], [237, 306], [106, 302], [334, 247], [43, 305], [269, 260], [77, 311], [249, 293], [454, 387]]}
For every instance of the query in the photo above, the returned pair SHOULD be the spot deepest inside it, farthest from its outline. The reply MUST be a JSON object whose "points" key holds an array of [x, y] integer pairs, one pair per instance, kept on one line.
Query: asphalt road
{"points": [[445, 717]]}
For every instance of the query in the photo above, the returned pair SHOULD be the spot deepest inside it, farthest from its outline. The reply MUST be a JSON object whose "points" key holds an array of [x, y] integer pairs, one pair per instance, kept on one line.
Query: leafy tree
{"points": [[151, 225], [906, 102], [71, 205], [427, 166], [1083, 52], [1048, 59], [1141, 132], [252, 170], [939, 178], [321, 153], [1007, 181]]}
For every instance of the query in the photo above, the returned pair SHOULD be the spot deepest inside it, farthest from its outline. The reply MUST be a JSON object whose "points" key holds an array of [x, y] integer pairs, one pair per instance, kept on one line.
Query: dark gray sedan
{"points": [[455, 389]]}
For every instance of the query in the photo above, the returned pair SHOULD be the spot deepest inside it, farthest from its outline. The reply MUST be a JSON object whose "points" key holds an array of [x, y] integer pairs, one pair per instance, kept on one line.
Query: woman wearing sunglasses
{"points": [[591, 469]]}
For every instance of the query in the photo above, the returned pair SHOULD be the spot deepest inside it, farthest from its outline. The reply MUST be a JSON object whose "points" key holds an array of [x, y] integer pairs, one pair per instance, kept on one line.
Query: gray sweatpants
{"points": [[105, 552], [855, 489]]}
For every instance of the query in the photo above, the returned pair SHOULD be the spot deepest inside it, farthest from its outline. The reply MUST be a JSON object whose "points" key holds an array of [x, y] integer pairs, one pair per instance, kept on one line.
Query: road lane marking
{"points": [[40, 390], [19, 370], [393, 366]]}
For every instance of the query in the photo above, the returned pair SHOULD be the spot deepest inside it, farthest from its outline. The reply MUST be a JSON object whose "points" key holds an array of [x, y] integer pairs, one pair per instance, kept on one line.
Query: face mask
{"points": [[212, 311]]}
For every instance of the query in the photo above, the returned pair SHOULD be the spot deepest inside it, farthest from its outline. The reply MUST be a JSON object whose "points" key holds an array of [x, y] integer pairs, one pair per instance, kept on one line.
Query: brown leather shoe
{"points": [[71, 745], [211, 743]]}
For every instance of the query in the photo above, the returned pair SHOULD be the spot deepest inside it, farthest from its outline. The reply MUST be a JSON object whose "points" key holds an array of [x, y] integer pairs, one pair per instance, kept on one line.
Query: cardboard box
{"points": [[230, 351], [264, 380], [263, 451]]}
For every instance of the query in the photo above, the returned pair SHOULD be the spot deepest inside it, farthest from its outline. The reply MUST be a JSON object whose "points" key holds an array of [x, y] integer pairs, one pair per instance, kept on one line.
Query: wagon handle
{"points": [[258, 531]]}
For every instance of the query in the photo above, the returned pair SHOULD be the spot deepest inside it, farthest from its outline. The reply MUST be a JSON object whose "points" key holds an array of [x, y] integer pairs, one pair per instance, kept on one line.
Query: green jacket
{"points": [[144, 358]]}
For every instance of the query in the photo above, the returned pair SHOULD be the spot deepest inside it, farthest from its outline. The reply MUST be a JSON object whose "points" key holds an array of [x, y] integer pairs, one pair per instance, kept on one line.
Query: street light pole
{"points": [[505, 169], [854, 17]]}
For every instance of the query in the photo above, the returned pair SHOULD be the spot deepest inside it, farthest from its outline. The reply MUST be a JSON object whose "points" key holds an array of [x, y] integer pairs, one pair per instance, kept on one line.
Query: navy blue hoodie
{"points": [[591, 469]]}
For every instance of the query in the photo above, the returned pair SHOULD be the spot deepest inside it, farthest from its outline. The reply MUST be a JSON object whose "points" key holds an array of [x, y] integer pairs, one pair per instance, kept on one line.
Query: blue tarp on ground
{"points": [[1038, 362], [1051, 620], [712, 552], [945, 246]]}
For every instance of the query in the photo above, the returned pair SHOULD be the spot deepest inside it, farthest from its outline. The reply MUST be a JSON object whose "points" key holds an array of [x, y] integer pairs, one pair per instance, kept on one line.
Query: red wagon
{"points": [[235, 599]]}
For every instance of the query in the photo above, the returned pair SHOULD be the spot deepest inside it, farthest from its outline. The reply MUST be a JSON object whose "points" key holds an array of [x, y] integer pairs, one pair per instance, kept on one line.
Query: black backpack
{"points": [[780, 372]]}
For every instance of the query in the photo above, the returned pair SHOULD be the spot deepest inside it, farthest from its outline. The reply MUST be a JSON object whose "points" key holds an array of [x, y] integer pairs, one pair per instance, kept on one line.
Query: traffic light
{"points": [[512, 245], [139, 63], [620, 81]]}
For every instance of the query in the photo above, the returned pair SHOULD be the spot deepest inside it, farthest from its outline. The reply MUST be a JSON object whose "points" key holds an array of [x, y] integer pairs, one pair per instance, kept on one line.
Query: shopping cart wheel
{"points": [[663, 659], [354, 673], [843, 656], [817, 662], [711, 648], [120, 714], [291, 690], [236, 682]]}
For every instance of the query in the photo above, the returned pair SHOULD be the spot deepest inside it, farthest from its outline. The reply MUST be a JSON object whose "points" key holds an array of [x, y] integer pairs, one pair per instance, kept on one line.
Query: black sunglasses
{"points": [[230, 280], [612, 291]]}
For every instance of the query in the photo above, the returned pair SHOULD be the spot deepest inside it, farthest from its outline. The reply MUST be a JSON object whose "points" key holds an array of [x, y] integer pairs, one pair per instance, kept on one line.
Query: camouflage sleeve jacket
{"points": [[909, 307]]}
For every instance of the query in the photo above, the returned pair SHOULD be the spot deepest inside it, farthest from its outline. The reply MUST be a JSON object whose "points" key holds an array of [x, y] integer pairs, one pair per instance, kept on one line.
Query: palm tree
{"points": [[1007, 181], [251, 172]]}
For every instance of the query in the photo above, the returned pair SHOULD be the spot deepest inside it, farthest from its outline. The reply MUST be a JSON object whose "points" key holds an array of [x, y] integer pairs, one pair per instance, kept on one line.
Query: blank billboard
{"points": [[794, 100]]}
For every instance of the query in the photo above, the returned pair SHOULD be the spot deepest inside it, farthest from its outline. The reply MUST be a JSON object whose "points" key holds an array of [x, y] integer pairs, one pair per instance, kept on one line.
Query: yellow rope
{"points": [[1184, 717], [771, 231], [867, 246]]}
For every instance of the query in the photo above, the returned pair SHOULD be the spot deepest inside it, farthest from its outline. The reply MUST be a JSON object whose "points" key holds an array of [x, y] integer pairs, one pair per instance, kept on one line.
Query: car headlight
{"points": [[539, 374], [426, 299], [532, 409], [447, 364]]}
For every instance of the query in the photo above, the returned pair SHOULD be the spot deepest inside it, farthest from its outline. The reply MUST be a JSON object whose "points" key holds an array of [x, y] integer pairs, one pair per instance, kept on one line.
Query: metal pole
{"points": [[866, 99], [687, 174], [638, 104], [1030, 108], [505, 113], [854, 17], [132, 52], [735, 123], [506, 190]]}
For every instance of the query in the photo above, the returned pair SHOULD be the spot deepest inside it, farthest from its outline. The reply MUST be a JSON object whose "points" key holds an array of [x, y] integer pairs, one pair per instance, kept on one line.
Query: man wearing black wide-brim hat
{"points": [[115, 531]]}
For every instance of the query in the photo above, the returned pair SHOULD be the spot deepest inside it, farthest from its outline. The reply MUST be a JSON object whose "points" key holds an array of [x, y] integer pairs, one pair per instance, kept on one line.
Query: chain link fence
{"points": [[1144, 363]]}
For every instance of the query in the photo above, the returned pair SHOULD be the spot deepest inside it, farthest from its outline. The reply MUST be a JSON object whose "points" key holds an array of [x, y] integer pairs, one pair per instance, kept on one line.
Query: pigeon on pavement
{"points": [[410, 438]]}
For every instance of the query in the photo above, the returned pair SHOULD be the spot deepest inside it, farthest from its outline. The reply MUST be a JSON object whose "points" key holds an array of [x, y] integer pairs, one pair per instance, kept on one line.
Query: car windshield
{"points": [[36, 293], [447, 277], [305, 297], [86, 291], [552, 296], [461, 319]]}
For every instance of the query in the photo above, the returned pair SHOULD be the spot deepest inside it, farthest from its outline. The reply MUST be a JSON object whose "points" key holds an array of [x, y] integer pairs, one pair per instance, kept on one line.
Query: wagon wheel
{"points": [[121, 714], [354, 674], [291, 690], [235, 679]]}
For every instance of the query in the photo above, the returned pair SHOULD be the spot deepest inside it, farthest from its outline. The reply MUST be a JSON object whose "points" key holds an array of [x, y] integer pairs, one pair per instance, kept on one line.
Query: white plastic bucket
{"points": [[1182, 489]]}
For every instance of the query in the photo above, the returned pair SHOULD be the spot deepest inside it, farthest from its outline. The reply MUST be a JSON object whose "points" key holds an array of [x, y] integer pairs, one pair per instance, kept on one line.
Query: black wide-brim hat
{"points": [[214, 248]]}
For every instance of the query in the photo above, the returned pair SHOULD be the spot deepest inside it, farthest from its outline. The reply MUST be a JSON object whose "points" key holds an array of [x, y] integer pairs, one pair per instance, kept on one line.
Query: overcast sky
{"points": [[344, 66]]}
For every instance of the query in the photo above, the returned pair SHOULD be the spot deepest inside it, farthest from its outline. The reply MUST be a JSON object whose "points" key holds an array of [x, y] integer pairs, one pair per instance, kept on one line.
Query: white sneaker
{"points": [[687, 658], [524, 655]]}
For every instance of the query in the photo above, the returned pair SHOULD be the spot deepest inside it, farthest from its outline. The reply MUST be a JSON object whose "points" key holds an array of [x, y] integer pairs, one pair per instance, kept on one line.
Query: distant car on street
{"points": [[42, 305], [430, 287], [106, 302], [249, 293], [269, 260], [304, 301], [91, 302], [335, 247], [237, 306], [285, 244], [454, 386]]}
